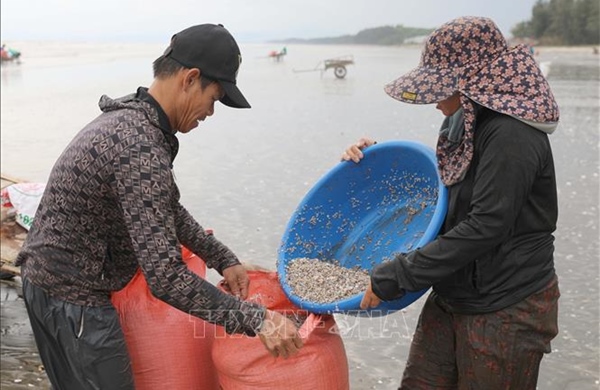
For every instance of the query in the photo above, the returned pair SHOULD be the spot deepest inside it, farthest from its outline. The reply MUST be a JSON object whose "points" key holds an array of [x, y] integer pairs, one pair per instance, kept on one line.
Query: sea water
{"points": [[243, 172]]}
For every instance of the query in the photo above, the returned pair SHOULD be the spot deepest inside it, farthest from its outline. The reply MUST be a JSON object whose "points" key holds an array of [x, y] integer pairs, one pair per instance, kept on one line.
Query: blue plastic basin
{"points": [[362, 214]]}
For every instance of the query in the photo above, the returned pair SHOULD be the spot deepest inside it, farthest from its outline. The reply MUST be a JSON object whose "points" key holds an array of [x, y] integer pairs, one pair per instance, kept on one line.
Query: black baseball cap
{"points": [[212, 49]]}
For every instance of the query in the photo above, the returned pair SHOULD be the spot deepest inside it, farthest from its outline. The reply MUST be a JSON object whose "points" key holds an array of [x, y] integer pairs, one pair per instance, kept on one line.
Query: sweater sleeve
{"points": [[190, 234], [509, 161], [145, 187]]}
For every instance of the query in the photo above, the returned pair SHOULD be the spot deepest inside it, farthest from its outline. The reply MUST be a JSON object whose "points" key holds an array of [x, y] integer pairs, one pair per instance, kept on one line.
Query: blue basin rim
{"points": [[427, 159]]}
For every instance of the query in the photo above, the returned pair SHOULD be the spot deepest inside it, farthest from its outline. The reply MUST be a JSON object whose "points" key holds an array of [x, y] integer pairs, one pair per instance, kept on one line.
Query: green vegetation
{"points": [[387, 35], [562, 22]]}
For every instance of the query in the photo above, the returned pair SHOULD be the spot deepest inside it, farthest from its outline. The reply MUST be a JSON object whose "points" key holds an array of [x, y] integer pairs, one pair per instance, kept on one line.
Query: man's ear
{"points": [[190, 77]]}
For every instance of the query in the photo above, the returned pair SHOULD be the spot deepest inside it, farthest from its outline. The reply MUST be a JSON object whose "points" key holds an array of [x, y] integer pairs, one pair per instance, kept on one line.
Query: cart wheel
{"points": [[340, 72]]}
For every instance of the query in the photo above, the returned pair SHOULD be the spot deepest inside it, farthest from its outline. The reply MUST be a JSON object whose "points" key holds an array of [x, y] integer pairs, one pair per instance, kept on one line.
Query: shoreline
{"points": [[563, 49]]}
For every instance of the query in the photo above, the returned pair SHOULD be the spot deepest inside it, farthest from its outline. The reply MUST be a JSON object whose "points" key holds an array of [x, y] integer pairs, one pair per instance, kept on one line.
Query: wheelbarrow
{"points": [[338, 64]]}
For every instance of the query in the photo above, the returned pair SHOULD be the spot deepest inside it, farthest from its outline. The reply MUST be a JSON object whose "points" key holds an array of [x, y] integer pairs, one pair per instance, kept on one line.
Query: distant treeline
{"points": [[562, 22], [387, 35]]}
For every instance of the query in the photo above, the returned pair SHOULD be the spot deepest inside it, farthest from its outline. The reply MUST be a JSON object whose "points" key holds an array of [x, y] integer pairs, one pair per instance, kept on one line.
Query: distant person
{"points": [[278, 55], [8, 54], [4, 53], [493, 309], [111, 207]]}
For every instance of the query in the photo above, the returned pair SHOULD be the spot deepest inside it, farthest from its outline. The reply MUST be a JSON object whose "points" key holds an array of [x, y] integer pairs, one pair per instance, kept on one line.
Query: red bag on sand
{"points": [[169, 349], [243, 363]]}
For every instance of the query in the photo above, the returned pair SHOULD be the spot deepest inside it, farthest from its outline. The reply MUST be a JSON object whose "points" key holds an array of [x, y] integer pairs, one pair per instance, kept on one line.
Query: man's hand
{"points": [[279, 335], [354, 152], [370, 300], [236, 281]]}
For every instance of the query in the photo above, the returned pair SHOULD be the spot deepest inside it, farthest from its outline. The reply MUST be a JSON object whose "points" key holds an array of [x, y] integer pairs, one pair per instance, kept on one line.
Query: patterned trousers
{"points": [[500, 350]]}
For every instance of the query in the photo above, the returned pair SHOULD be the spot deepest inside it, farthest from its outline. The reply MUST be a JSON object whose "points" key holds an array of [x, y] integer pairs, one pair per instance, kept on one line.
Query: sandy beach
{"points": [[243, 173]]}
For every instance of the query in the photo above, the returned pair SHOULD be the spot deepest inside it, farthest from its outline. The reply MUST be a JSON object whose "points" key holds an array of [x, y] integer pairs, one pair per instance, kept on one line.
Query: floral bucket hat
{"points": [[470, 55]]}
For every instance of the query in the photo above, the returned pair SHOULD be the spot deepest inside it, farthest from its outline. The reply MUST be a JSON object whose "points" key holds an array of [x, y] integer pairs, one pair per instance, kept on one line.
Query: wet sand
{"points": [[21, 367], [377, 348]]}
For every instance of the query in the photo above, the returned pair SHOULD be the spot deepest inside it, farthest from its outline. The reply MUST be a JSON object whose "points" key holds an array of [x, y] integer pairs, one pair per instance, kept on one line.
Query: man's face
{"points": [[199, 104]]}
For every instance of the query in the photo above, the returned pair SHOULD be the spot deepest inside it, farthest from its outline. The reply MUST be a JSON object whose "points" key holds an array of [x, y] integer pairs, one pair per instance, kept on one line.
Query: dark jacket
{"points": [[496, 246], [111, 206]]}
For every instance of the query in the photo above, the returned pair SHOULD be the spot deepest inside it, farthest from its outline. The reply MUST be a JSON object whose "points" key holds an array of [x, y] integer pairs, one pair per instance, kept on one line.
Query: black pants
{"points": [[81, 347]]}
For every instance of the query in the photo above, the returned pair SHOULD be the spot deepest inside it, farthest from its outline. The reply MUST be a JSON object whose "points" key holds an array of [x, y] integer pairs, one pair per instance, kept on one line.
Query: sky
{"points": [[251, 21]]}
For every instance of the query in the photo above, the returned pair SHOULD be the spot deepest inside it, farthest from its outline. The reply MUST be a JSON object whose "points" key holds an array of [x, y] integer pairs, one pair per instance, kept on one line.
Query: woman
{"points": [[493, 308]]}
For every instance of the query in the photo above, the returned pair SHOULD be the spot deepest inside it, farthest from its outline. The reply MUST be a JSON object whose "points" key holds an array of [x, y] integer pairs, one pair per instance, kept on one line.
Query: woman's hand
{"points": [[354, 152], [370, 300]]}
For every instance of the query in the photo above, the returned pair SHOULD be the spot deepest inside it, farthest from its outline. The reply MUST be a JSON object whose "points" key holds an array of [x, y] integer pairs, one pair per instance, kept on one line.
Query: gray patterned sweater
{"points": [[111, 205]]}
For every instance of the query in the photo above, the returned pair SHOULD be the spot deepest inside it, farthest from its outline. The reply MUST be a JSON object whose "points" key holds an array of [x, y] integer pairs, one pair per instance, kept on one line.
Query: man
{"points": [[111, 205]]}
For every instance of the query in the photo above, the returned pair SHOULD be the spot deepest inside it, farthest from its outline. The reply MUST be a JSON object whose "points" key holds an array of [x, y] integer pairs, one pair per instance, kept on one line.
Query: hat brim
{"points": [[423, 86], [513, 84], [233, 96]]}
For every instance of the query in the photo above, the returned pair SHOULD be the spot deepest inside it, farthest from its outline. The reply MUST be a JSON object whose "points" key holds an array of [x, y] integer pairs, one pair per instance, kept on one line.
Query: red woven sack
{"points": [[243, 363], [169, 349]]}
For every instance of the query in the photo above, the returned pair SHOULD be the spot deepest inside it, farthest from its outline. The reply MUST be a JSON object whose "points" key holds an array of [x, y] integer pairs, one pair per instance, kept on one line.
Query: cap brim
{"points": [[423, 86], [233, 96]]}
